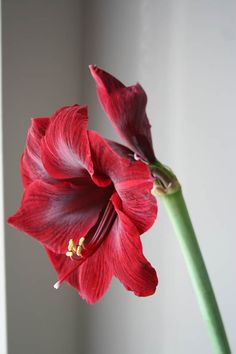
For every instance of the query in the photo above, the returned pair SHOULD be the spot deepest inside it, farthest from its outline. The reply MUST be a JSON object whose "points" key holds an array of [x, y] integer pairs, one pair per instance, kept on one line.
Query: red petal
{"points": [[63, 265], [132, 179], [65, 147], [54, 214], [138, 203], [129, 263], [91, 279], [31, 164], [126, 108]]}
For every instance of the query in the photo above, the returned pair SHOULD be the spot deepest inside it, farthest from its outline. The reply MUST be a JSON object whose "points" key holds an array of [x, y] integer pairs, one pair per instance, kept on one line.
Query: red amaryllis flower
{"points": [[87, 204], [126, 108]]}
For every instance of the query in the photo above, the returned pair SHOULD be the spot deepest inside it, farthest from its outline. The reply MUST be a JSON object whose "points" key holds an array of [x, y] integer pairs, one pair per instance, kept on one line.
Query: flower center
{"points": [[94, 237]]}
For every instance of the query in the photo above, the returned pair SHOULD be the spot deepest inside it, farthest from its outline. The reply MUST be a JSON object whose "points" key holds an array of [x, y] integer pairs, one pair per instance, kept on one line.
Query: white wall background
{"points": [[184, 54]]}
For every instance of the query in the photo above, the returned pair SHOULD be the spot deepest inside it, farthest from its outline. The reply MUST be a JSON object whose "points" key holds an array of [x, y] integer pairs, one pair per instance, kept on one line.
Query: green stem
{"points": [[179, 217]]}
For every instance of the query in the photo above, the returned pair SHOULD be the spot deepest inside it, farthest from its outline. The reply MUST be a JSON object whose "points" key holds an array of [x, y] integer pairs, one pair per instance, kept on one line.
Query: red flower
{"points": [[87, 204], [126, 108]]}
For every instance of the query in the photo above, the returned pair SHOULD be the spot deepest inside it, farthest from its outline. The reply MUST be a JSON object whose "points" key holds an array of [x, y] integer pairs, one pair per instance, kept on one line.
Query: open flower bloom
{"points": [[87, 204], [126, 108]]}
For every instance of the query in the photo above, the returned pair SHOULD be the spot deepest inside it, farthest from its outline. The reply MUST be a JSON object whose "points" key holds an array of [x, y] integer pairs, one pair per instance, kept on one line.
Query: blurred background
{"points": [[184, 54]]}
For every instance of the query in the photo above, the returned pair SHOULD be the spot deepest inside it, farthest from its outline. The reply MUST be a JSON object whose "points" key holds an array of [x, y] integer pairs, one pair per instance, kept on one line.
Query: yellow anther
{"points": [[81, 241], [72, 248], [80, 246], [79, 250], [69, 254], [71, 245]]}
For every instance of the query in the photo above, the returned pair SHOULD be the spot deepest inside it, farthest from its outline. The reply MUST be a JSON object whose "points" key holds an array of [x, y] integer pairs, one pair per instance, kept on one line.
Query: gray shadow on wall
{"points": [[41, 70]]}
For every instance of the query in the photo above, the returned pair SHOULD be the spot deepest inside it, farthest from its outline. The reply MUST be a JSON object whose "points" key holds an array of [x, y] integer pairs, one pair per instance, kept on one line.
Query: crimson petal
{"points": [[95, 275], [31, 164], [65, 147], [91, 279], [132, 180], [54, 214], [126, 108], [129, 264]]}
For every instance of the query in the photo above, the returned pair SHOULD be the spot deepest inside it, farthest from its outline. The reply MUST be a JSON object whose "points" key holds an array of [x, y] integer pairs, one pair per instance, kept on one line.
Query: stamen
{"points": [[69, 254], [81, 241], [73, 249], [78, 251], [80, 246], [71, 245], [94, 239]]}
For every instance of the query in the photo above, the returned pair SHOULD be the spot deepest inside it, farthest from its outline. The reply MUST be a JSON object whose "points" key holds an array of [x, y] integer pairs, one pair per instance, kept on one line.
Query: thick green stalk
{"points": [[179, 217]]}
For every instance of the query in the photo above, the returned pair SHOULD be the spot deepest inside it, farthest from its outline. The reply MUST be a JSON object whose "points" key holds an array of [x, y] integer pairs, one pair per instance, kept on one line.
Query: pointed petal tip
{"points": [[10, 220], [57, 285], [83, 110], [94, 71], [92, 67]]}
